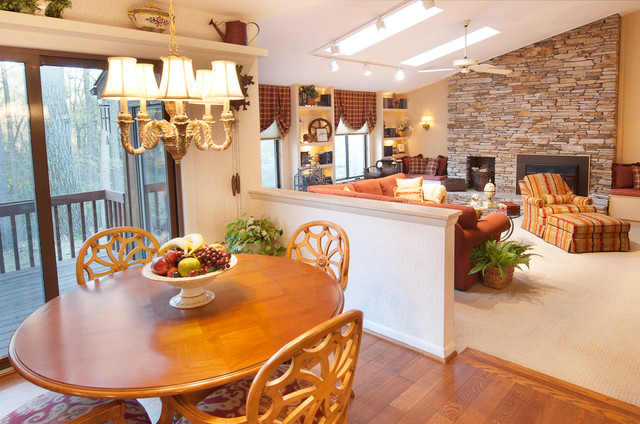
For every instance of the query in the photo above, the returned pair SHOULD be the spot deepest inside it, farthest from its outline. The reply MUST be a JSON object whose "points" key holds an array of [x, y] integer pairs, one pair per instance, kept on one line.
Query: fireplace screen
{"points": [[573, 169]]}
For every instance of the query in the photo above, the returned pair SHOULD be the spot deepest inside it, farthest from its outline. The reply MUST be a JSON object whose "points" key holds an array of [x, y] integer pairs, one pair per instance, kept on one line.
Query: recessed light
{"points": [[450, 47]]}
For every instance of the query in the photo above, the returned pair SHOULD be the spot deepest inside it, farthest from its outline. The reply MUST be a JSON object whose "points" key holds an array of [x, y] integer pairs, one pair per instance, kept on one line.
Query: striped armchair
{"points": [[546, 194]]}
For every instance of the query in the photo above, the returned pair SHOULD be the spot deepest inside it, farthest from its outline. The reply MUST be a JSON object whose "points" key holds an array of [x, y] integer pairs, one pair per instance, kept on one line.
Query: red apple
{"points": [[171, 256], [160, 266]]}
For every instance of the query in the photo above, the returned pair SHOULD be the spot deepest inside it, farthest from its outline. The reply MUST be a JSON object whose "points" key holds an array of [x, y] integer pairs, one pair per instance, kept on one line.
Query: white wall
{"points": [[429, 100], [401, 264]]}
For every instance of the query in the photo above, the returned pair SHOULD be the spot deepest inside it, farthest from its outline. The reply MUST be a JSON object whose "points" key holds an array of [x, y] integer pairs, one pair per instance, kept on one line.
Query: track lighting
{"points": [[333, 65], [428, 4], [380, 26], [366, 70], [399, 74], [335, 49]]}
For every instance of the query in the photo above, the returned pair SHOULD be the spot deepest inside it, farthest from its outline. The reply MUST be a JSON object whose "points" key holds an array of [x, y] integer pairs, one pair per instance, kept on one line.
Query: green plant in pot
{"points": [[310, 94], [26, 6], [252, 235], [497, 260], [55, 8]]}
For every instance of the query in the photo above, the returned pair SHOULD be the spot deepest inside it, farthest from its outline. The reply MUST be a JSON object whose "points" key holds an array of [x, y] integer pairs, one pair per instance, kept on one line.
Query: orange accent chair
{"points": [[547, 194]]}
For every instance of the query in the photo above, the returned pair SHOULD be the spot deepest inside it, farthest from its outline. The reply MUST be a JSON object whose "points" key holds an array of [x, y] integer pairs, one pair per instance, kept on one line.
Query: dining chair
{"points": [[324, 245], [56, 408], [120, 248], [308, 380]]}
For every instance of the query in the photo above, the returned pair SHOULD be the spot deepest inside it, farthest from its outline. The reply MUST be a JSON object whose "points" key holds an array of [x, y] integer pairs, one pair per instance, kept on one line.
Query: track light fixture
{"points": [[366, 70], [400, 74], [428, 4], [333, 65], [335, 49], [380, 26]]}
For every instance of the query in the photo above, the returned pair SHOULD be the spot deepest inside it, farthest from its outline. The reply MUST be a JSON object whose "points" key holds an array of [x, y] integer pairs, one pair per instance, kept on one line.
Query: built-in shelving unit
{"points": [[308, 151], [394, 110]]}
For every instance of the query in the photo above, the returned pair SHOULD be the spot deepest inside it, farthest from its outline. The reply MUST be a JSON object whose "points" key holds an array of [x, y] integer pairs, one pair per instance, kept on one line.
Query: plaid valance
{"points": [[355, 108], [275, 105]]}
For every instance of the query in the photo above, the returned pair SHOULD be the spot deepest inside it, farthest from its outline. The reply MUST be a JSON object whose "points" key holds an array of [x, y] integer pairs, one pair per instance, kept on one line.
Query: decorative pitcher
{"points": [[235, 31]]}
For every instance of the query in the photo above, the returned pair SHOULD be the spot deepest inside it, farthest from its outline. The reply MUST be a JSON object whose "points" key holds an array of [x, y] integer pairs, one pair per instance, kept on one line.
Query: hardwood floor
{"points": [[397, 385]]}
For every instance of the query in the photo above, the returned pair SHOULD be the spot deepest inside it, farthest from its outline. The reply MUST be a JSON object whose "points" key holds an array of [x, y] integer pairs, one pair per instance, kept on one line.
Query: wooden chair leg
{"points": [[168, 414]]}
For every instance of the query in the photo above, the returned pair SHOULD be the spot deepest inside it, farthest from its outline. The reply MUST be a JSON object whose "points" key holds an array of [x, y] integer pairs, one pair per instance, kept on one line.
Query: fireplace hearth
{"points": [[573, 169]]}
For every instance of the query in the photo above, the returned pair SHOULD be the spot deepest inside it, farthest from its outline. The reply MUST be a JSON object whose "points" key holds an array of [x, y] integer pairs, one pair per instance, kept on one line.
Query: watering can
{"points": [[235, 31]]}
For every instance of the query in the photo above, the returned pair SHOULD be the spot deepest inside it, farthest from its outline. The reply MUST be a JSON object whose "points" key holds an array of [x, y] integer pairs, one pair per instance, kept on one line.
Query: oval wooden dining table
{"points": [[118, 337]]}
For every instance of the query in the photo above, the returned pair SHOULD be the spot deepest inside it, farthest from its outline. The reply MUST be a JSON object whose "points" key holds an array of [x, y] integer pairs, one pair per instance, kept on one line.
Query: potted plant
{"points": [[308, 95], [252, 235], [55, 8], [497, 260], [26, 6]]}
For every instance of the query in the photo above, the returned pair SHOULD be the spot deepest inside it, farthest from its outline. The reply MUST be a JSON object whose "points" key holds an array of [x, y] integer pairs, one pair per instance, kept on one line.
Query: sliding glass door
{"points": [[83, 181]]}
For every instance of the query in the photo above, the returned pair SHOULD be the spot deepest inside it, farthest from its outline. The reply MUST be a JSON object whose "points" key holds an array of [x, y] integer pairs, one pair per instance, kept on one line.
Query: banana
{"points": [[195, 240], [180, 242]]}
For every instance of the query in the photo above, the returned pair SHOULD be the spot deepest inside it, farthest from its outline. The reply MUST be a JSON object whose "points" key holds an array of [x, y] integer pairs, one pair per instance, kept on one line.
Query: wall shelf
{"points": [[34, 31]]}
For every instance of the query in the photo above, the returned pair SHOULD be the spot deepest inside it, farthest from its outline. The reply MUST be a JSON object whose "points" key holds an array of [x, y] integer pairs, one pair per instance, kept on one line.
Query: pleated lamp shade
{"points": [[122, 80], [177, 81], [225, 84], [204, 80], [147, 80]]}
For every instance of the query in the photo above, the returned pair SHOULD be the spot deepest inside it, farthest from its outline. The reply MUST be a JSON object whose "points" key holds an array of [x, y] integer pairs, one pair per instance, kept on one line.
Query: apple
{"points": [[219, 247], [171, 256], [160, 265]]}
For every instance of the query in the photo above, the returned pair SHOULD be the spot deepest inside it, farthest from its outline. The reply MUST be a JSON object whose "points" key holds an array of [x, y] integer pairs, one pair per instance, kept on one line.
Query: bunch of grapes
{"points": [[212, 259]]}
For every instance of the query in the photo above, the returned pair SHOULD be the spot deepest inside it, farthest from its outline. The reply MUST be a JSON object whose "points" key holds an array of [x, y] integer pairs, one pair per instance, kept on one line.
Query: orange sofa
{"points": [[469, 230]]}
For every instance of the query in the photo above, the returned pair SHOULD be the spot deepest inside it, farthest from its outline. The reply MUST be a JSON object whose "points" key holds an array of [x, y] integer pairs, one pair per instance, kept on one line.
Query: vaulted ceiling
{"points": [[292, 30]]}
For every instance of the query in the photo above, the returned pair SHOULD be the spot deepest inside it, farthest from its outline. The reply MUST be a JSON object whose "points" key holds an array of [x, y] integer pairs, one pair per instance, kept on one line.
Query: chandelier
{"points": [[129, 80]]}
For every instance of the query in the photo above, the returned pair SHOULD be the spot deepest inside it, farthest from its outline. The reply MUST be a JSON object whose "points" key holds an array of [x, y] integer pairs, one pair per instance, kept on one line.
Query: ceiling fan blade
{"points": [[436, 70], [490, 69]]}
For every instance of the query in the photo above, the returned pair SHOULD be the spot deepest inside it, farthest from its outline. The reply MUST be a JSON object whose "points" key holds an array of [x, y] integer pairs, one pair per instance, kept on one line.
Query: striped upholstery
{"points": [[587, 232], [542, 196]]}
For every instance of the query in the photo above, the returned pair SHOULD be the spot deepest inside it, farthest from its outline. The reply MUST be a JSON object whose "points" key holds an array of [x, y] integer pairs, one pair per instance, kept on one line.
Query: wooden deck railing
{"points": [[95, 210]]}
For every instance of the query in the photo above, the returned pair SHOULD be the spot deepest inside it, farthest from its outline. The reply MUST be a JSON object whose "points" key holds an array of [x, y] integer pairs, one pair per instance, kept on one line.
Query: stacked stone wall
{"points": [[560, 99]]}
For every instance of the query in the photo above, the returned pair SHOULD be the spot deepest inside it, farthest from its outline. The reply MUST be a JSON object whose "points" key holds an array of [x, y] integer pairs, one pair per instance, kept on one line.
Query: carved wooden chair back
{"points": [[324, 245], [113, 250], [309, 380]]}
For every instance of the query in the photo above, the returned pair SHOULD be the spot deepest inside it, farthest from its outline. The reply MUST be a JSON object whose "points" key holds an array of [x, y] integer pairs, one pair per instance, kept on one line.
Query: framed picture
{"points": [[400, 147], [321, 133]]}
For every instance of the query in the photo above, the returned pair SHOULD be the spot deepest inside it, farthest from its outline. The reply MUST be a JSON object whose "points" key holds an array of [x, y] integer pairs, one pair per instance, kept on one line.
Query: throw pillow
{"points": [[557, 199], [409, 182], [442, 165], [622, 175], [432, 166], [412, 193], [417, 165], [636, 177]]}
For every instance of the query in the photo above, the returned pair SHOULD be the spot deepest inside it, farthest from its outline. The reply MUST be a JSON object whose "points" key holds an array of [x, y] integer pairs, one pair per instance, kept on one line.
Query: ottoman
{"points": [[587, 232]]}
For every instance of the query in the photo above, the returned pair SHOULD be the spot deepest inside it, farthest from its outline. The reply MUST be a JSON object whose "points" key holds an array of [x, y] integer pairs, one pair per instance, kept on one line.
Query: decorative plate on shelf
{"points": [[320, 123]]}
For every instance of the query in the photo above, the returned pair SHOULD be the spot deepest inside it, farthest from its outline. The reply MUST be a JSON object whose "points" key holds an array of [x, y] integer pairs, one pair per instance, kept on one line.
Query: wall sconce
{"points": [[425, 121]]}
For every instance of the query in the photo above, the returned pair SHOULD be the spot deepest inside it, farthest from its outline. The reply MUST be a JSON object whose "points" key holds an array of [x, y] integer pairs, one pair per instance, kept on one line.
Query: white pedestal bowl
{"points": [[192, 293]]}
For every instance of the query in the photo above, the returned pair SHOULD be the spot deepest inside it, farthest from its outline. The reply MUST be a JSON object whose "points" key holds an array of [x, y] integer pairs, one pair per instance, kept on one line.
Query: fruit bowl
{"points": [[192, 293]]}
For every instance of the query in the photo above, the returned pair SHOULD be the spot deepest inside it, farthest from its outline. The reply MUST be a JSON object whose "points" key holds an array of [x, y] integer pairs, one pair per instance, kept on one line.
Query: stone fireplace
{"points": [[560, 100]]}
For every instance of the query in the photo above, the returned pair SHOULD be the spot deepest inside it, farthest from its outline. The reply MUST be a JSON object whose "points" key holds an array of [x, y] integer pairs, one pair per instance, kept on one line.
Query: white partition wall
{"points": [[401, 269]]}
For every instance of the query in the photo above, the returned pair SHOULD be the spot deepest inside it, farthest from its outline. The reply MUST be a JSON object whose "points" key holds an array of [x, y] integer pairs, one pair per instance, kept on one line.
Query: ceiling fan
{"points": [[464, 66]]}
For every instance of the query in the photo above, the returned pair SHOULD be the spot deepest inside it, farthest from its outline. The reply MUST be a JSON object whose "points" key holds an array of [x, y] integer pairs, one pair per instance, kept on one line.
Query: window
{"points": [[270, 160], [350, 157], [270, 156]]}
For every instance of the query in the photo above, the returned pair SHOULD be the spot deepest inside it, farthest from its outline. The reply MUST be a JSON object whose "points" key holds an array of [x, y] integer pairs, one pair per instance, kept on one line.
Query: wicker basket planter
{"points": [[492, 278]]}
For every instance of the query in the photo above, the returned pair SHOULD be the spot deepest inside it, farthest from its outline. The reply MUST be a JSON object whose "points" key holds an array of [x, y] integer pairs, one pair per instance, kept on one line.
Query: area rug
{"points": [[572, 316]]}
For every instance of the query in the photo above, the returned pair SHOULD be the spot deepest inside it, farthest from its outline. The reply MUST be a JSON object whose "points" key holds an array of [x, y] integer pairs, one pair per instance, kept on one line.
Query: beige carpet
{"points": [[572, 316]]}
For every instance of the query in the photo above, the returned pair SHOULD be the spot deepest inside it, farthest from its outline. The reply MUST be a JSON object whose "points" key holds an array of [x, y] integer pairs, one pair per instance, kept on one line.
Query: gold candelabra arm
{"points": [[227, 122], [202, 132], [125, 122]]}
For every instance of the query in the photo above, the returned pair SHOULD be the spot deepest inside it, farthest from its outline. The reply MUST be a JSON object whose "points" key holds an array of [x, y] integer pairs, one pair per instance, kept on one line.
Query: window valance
{"points": [[355, 108], [275, 105]]}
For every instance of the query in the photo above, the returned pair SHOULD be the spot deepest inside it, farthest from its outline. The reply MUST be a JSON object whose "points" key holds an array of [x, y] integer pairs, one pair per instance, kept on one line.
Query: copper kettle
{"points": [[235, 31]]}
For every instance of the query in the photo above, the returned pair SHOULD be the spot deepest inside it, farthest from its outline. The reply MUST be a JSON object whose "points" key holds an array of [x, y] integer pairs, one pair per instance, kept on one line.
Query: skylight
{"points": [[451, 46], [394, 23]]}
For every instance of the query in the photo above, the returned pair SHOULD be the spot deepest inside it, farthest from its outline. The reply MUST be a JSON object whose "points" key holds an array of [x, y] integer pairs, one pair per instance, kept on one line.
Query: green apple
{"points": [[187, 264]]}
